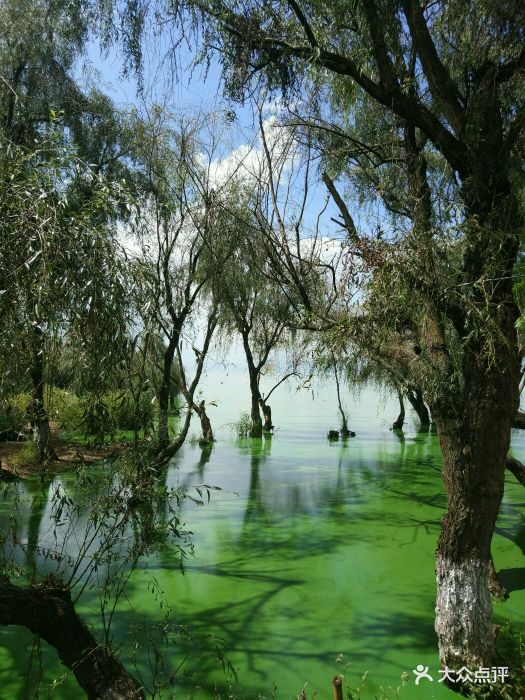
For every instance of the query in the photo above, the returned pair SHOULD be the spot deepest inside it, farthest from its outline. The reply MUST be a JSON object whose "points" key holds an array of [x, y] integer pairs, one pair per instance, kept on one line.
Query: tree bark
{"points": [[48, 611], [474, 447]]}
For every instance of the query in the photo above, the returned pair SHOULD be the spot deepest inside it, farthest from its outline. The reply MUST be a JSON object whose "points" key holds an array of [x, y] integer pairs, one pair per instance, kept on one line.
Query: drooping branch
{"points": [[48, 611]]}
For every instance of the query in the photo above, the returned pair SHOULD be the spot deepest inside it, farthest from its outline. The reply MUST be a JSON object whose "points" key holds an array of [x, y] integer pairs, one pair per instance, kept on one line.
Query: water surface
{"points": [[311, 551]]}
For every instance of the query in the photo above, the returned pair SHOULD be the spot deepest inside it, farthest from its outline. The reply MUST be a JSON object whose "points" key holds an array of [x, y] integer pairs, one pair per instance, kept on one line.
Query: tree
{"points": [[182, 227], [60, 272], [254, 307], [449, 77]]}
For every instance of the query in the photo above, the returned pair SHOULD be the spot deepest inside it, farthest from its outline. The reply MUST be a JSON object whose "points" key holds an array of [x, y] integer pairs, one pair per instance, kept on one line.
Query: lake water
{"points": [[314, 558]]}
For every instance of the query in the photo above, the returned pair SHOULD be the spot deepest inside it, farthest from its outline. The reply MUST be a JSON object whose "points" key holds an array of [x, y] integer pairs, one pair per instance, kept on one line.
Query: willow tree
{"points": [[60, 274], [452, 74]]}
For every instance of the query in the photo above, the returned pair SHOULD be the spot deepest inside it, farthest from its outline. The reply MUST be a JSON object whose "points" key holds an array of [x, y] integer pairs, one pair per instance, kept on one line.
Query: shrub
{"points": [[243, 426], [27, 455], [65, 408]]}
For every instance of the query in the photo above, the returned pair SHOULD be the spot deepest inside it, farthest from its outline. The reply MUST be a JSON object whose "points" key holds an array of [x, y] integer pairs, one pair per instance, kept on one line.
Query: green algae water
{"points": [[314, 558]]}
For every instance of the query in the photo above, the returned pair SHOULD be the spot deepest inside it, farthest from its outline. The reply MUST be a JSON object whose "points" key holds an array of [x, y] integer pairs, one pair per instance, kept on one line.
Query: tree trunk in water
{"points": [[48, 612], [207, 432], [345, 432], [398, 424], [256, 429], [474, 446], [163, 456], [165, 392], [416, 401], [253, 372]]}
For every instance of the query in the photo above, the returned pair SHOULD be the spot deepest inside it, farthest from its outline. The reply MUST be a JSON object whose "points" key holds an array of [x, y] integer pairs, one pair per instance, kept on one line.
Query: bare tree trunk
{"points": [[256, 429], [345, 432], [398, 424], [38, 415], [416, 401], [253, 373], [48, 612], [165, 392]]}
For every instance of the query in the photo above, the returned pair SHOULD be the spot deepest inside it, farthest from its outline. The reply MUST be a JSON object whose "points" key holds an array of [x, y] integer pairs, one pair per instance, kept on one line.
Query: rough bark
{"points": [[48, 611], [474, 447]]}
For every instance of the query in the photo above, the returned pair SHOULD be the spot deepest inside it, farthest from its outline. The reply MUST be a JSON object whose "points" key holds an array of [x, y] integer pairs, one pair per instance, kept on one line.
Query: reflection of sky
{"points": [[309, 549]]}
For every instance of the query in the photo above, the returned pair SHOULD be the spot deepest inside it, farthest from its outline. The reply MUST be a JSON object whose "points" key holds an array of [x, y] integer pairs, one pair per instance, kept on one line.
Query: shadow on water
{"points": [[305, 554], [512, 579]]}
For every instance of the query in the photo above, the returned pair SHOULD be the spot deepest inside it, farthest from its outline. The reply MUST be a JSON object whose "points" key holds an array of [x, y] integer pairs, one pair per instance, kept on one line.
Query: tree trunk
{"points": [[398, 424], [416, 401], [38, 415], [345, 432], [256, 429], [253, 372], [48, 612], [165, 392], [474, 446]]}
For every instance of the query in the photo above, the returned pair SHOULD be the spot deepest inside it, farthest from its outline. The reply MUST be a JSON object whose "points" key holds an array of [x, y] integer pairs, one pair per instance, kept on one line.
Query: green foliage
{"points": [[510, 649], [124, 414], [243, 426], [64, 407], [27, 456], [13, 416]]}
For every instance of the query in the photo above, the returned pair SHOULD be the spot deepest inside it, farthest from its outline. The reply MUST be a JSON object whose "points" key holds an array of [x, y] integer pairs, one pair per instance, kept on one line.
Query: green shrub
{"points": [[124, 414], [27, 455], [65, 408], [13, 416], [114, 411], [243, 426]]}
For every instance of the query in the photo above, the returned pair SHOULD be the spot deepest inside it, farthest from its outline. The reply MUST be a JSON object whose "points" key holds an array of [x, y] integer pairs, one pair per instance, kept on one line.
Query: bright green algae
{"points": [[310, 550]]}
